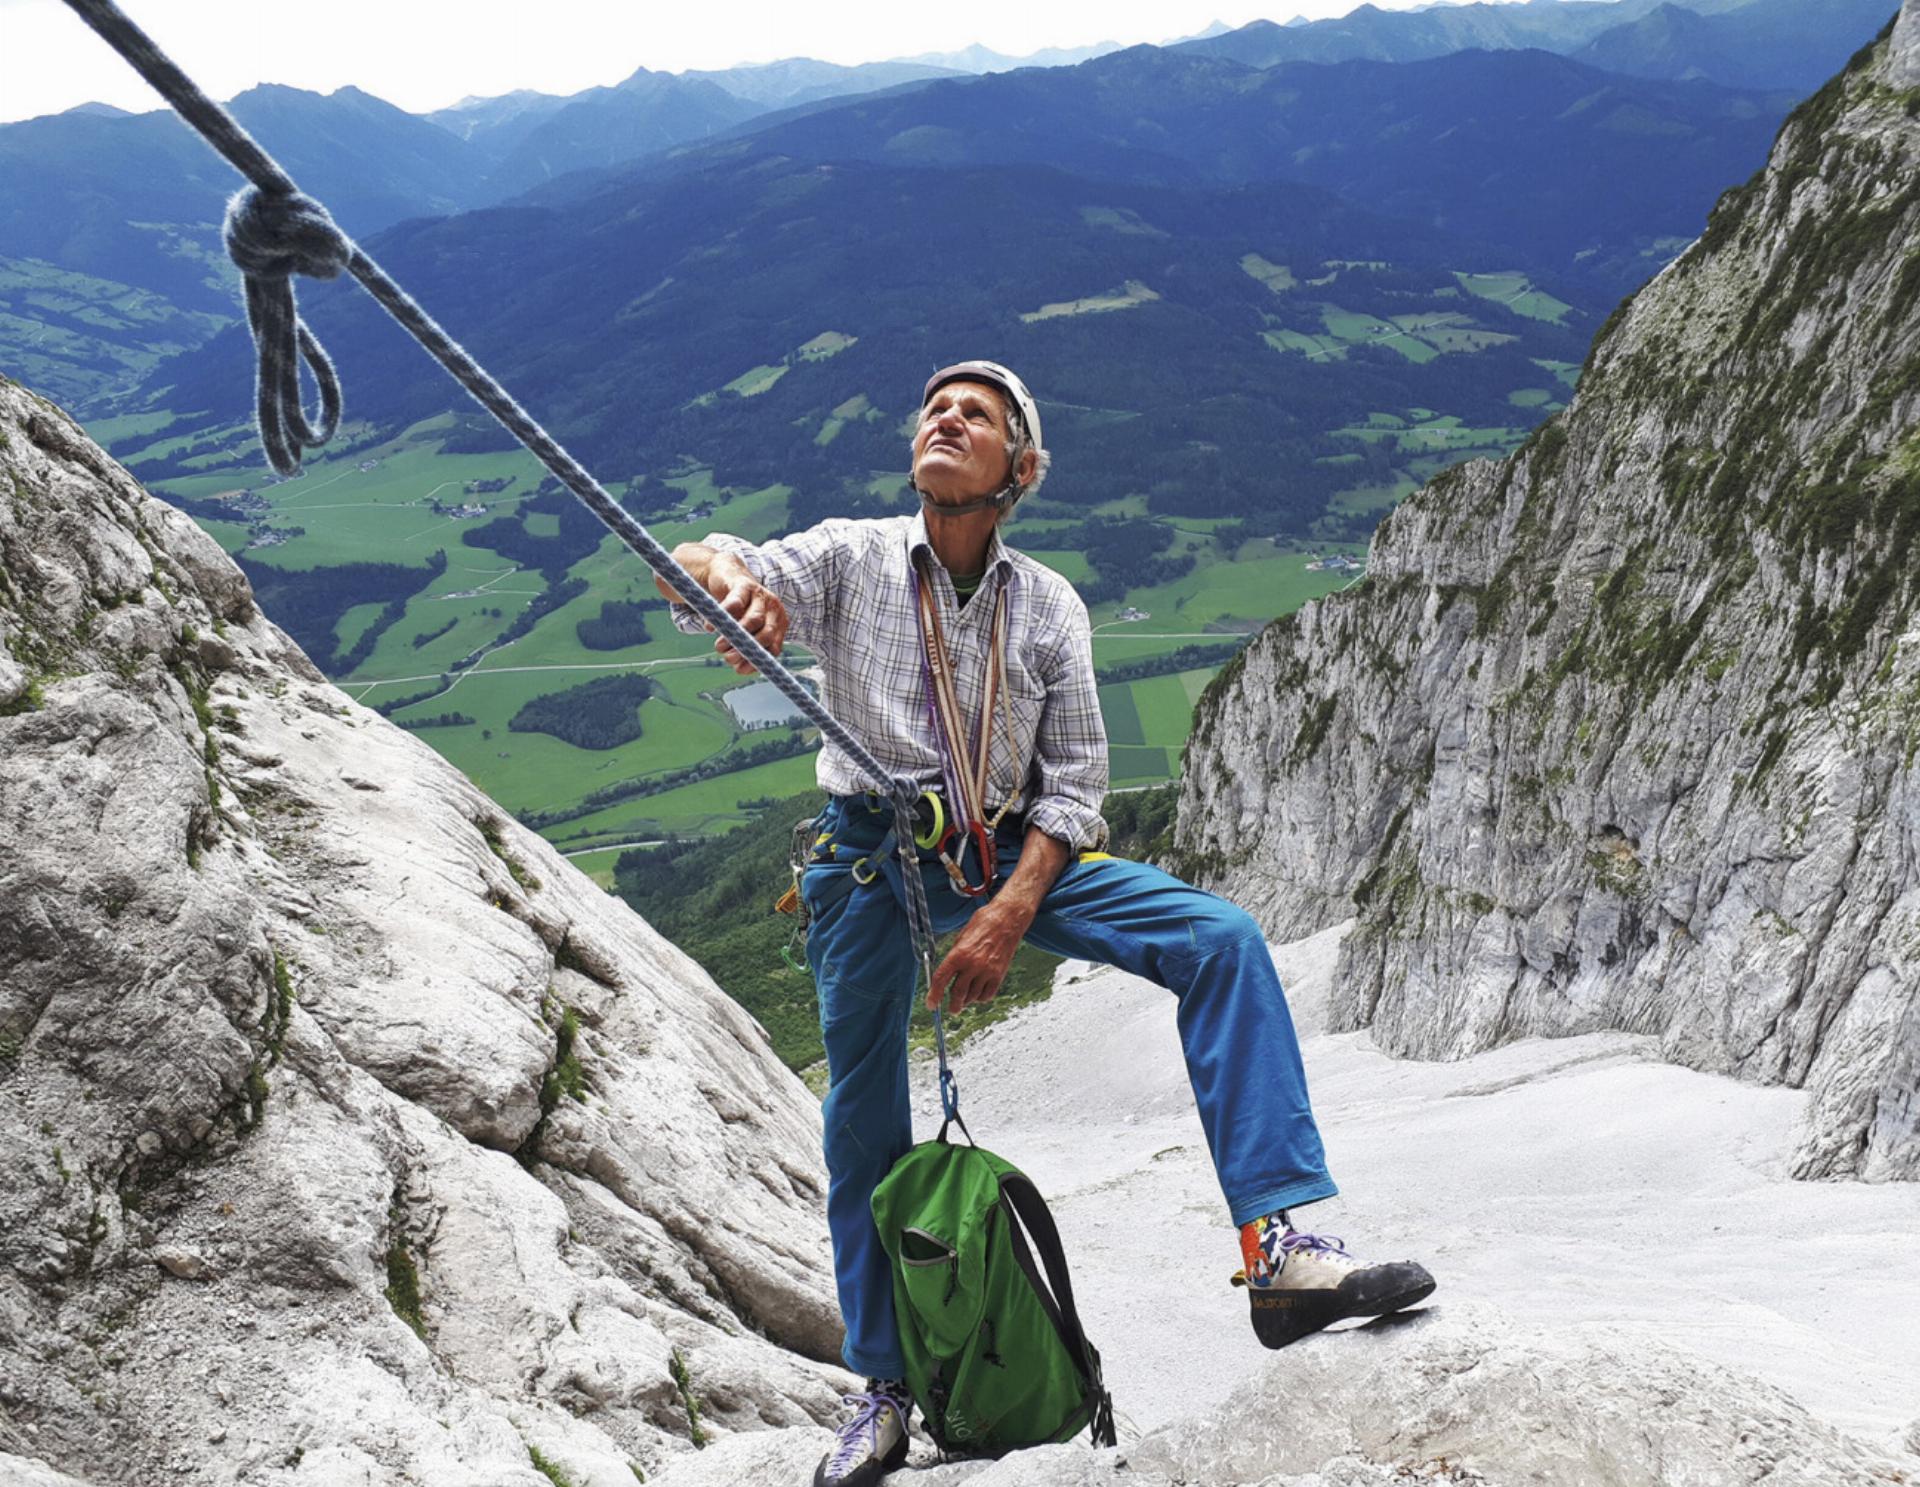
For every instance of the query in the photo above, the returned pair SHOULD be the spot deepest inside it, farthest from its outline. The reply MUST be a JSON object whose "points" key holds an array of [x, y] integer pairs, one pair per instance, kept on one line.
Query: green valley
{"points": [[461, 593]]}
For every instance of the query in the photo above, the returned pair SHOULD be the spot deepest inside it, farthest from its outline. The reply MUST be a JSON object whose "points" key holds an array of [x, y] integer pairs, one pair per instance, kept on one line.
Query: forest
{"points": [[601, 714], [620, 623], [309, 603]]}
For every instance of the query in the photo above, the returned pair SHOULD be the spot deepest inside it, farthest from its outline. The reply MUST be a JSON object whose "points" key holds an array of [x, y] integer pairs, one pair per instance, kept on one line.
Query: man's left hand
{"points": [[975, 967]]}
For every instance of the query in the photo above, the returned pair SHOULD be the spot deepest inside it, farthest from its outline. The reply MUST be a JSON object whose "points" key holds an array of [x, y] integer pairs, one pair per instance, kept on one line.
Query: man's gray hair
{"points": [[1018, 445]]}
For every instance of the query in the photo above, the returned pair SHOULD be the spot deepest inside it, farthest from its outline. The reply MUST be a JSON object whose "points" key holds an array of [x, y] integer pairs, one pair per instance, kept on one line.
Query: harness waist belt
{"points": [[868, 817]]}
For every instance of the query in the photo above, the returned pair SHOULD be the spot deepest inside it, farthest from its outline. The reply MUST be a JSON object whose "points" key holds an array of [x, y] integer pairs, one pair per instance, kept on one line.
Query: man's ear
{"points": [[1029, 467]]}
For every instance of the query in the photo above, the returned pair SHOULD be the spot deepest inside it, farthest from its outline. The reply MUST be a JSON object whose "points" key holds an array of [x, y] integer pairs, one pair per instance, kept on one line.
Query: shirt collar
{"points": [[999, 555]]}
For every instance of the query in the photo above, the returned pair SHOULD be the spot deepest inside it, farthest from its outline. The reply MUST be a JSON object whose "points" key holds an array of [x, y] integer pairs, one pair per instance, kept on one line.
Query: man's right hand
{"points": [[756, 607], [760, 612]]}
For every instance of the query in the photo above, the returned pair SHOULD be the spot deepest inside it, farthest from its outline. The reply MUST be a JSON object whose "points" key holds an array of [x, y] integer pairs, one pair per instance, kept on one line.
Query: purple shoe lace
{"points": [[1279, 1242], [860, 1436]]}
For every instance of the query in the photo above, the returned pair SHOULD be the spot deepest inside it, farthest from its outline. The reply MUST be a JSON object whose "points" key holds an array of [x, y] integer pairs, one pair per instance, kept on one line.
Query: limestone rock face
{"points": [[1903, 62], [1620, 733], [17, 1471], [295, 1192], [1441, 1396]]}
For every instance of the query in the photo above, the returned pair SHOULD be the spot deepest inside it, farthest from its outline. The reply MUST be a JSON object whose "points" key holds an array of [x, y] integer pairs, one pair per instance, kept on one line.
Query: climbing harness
{"points": [[966, 767], [929, 823], [800, 849], [272, 232]]}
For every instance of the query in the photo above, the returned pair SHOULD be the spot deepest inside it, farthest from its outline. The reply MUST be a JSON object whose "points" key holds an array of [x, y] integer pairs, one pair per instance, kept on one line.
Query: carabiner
{"points": [[936, 834], [981, 840]]}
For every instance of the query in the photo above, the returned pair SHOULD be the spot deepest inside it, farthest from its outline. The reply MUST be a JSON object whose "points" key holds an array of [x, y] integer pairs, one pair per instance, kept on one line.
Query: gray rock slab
{"points": [[279, 993], [1569, 1182]]}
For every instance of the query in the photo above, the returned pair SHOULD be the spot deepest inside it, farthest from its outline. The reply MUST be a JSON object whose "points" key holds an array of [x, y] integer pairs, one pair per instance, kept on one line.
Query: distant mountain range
{"points": [[1560, 167], [1767, 44], [1133, 232], [648, 112], [981, 59], [138, 198], [772, 317], [1794, 44]]}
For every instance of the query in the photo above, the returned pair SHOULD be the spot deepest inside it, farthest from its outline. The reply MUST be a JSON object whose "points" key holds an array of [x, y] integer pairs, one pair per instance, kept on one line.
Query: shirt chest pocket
{"points": [[1027, 702]]}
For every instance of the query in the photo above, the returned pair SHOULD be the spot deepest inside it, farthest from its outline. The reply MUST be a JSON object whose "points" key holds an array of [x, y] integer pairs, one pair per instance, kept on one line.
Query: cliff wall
{"points": [[1620, 732]]}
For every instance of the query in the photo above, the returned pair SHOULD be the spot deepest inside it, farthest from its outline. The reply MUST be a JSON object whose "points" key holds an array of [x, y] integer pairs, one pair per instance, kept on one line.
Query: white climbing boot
{"points": [[872, 1442]]}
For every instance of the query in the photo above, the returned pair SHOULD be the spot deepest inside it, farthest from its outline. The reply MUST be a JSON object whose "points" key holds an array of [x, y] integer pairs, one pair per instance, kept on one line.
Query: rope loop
{"points": [[271, 235]]}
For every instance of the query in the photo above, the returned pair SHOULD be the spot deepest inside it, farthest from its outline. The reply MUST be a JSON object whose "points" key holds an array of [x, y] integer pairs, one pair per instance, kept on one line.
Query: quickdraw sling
{"points": [[965, 768]]}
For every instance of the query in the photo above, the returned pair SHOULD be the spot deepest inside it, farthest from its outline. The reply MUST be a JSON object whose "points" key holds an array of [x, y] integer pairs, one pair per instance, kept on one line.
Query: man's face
{"points": [[960, 446]]}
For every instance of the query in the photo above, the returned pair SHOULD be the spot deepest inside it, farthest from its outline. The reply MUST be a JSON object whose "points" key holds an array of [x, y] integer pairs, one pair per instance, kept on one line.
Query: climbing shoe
{"points": [[874, 1439], [1298, 1283]]}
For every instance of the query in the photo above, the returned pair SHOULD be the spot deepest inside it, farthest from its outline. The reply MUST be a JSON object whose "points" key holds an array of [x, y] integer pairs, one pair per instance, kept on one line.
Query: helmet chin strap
{"points": [[1000, 497]]}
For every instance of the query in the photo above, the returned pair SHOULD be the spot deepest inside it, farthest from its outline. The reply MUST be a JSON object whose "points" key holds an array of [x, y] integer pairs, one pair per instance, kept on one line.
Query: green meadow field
{"points": [[461, 661], [372, 504]]}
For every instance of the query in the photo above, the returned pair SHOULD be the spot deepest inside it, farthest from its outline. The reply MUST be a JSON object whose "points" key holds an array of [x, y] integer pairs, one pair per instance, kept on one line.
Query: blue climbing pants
{"points": [[1242, 1055]]}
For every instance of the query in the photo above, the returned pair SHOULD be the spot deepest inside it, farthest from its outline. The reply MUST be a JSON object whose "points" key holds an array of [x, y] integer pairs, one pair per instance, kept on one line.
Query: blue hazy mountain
{"points": [[773, 317], [1370, 34], [1555, 162], [1793, 44], [795, 80], [137, 198], [1535, 159], [645, 113], [1095, 224], [527, 138]]}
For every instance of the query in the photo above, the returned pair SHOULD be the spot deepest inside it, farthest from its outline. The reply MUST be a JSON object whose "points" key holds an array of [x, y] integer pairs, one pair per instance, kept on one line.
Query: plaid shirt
{"points": [[847, 591]]}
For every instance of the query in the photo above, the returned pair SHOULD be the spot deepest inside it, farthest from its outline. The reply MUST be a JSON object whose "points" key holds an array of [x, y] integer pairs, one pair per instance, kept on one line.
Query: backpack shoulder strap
{"points": [[1055, 1288]]}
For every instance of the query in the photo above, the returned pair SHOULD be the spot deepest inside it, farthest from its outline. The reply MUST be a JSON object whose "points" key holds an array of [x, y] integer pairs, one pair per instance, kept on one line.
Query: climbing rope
{"points": [[274, 231]]}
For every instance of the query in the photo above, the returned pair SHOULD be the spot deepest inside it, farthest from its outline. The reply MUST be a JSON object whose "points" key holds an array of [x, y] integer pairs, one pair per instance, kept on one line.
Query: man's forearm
{"points": [[727, 577], [975, 967], [1042, 859]]}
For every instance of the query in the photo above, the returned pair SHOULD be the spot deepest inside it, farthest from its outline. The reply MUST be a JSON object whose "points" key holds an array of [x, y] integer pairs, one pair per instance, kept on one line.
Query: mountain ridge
{"points": [[1795, 44]]}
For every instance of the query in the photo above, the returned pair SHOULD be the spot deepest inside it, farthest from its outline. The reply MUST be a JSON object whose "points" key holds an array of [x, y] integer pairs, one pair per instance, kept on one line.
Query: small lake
{"points": [[762, 705]]}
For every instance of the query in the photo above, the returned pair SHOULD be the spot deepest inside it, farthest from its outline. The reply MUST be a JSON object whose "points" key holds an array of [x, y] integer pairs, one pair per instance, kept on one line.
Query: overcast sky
{"points": [[424, 54]]}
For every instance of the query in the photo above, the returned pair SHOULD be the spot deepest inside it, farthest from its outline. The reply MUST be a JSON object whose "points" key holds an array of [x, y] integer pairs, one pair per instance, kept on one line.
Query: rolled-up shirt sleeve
{"points": [[1070, 747], [802, 571]]}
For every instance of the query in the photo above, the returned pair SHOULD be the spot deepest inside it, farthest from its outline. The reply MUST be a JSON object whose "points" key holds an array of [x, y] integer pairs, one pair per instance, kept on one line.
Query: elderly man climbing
{"points": [[969, 666]]}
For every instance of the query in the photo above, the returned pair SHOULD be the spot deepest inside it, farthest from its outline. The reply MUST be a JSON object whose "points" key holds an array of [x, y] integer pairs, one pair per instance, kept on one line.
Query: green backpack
{"points": [[995, 1355]]}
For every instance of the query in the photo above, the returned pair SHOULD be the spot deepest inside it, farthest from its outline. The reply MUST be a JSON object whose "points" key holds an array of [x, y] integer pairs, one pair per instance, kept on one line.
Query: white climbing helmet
{"points": [[1026, 416], [994, 375]]}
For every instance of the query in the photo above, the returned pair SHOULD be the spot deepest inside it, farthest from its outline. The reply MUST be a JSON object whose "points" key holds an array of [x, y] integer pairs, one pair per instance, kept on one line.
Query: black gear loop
{"points": [[271, 235]]}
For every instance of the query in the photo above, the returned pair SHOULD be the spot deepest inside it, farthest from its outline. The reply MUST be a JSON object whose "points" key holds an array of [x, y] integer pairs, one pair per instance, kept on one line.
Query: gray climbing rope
{"points": [[274, 231]]}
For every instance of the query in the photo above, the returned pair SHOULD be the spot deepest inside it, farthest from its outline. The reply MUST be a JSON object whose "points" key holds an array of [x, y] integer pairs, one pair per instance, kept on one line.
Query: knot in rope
{"points": [[271, 235], [277, 234]]}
